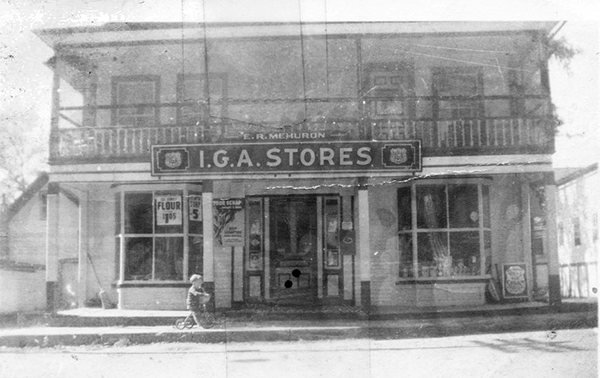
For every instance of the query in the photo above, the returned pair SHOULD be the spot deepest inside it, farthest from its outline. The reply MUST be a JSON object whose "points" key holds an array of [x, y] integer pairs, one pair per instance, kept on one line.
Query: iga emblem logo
{"points": [[398, 155], [405, 155], [173, 159]]}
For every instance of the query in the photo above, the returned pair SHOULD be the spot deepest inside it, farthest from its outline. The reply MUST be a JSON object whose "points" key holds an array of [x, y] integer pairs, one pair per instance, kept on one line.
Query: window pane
{"points": [[457, 83], [192, 90], [463, 206], [280, 227], [117, 213], [406, 253], [168, 263], [576, 231], [141, 92], [195, 258], [431, 245], [431, 206], [486, 205], [117, 257], [487, 251], [404, 209], [138, 258], [169, 212], [464, 248], [138, 213], [332, 224], [136, 93]]}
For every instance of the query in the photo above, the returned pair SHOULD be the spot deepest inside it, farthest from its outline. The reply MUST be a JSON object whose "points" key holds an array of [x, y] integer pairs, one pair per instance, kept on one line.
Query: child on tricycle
{"points": [[197, 298]]}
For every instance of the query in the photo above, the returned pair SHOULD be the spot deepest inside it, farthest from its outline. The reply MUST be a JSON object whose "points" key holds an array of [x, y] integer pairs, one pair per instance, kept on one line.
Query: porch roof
{"points": [[130, 32]]}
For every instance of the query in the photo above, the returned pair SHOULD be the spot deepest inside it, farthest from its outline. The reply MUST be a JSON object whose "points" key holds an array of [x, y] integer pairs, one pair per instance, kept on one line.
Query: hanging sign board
{"points": [[195, 208], [390, 156], [514, 280], [168, 210], [229, 221]]}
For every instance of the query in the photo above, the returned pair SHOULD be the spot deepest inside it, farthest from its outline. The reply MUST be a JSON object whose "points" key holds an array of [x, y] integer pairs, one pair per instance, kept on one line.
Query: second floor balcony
{"points": [[460, 93], [449, 137]]}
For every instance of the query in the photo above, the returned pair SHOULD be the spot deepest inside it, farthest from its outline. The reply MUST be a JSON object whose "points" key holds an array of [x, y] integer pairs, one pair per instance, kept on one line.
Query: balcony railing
{"points": [[438, 138]]}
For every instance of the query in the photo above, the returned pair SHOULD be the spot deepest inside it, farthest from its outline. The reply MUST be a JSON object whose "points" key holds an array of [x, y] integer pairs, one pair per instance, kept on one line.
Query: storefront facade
{"points": [[295, 166]]}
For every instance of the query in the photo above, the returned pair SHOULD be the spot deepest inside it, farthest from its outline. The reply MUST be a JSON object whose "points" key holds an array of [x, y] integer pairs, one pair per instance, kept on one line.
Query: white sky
{"points": [[25, 83]]}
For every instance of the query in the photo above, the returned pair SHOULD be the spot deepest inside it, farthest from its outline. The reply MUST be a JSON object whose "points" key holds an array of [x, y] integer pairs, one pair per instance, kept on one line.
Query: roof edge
{"points": [[28, 194], [579, 173]]}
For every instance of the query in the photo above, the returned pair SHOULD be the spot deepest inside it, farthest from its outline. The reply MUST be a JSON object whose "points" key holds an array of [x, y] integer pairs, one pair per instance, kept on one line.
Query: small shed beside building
{"points": [[23, 251]]}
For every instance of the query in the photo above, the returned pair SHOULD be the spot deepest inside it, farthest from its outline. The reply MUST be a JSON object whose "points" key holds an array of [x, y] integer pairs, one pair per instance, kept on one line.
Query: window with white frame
{"points": [[158, 234], [444, 229], [458, 92], [136, 100], [390, 91]]}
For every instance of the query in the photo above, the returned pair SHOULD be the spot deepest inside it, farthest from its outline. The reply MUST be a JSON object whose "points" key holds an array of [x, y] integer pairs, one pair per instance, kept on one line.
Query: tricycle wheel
{"points": [[180, 324]]}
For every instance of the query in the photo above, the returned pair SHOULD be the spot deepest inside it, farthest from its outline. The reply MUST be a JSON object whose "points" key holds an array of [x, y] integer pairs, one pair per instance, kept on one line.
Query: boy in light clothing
{"points": [[197, 297]]}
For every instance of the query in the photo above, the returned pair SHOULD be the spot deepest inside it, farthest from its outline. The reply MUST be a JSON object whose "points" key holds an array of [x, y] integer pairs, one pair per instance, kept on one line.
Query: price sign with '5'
{"points": [[195, 208]]}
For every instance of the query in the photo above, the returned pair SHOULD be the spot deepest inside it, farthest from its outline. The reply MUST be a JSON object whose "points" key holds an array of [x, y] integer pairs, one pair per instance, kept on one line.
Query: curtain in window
{"points": [[440, 250]]}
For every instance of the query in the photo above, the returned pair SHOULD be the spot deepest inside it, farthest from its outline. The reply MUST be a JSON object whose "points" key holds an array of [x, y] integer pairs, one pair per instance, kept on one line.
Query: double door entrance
{"points": [[294, 254]]}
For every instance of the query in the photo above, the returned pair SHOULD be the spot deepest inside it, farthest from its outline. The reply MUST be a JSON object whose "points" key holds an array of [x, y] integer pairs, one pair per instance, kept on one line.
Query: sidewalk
{"points": [[303, 326]]}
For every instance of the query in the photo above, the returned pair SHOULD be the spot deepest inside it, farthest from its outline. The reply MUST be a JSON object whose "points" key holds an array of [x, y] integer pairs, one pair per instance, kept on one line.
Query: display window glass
{"points": [[162, 235], [443, 230]]}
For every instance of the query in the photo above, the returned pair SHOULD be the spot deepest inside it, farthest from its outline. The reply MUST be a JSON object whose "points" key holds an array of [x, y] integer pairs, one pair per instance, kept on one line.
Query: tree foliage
{"points": [[560, 50], [23, 152]]}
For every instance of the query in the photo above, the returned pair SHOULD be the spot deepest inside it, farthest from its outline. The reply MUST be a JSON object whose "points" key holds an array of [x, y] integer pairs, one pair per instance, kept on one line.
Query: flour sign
{"points": [[168, 210]]}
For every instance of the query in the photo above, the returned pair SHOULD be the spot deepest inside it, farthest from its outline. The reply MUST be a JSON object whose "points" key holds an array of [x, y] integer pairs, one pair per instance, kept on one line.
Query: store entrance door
{"points": [[293, 235]]}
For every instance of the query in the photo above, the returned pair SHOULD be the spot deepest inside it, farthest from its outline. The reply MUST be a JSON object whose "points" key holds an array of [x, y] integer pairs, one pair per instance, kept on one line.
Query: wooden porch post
{"points": [[52, 246]]}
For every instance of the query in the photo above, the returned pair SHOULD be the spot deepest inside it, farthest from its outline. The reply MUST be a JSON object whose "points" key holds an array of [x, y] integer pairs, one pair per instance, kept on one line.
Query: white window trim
{"points": [[414, 231], [185, 190]]}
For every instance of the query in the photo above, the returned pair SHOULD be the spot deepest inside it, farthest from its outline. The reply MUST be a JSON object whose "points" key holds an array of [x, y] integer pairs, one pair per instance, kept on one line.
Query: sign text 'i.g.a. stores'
{"points": [[287, 157]]}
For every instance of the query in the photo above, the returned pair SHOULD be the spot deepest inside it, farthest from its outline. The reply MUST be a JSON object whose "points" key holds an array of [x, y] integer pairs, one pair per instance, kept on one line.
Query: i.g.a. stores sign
{"points": [[287, 157]]}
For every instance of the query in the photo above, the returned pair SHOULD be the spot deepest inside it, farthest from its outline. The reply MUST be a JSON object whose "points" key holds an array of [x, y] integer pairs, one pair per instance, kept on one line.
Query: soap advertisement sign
{"points": [[514, 280], [229, 221]]}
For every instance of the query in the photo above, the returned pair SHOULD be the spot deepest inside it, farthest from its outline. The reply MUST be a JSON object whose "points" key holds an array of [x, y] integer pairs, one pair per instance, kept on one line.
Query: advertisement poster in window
{"points": [[514, 280], [229, 221], [195, 208], [168, 210]]}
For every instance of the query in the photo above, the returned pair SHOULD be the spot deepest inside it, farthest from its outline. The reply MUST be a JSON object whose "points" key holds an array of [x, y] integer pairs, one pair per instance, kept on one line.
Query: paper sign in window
{"points": [[168, 210]]}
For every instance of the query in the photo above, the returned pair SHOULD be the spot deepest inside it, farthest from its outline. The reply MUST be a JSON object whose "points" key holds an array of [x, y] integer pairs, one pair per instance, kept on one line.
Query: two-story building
{"points": [[385, 165]]}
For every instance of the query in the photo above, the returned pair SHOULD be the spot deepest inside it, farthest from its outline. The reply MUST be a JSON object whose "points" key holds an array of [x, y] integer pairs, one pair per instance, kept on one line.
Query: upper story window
{"points": [[576, 231], [135, 100], [197, 102], [390, 90], [458, 93], [561, 234], [43, 196], [444, 229]]}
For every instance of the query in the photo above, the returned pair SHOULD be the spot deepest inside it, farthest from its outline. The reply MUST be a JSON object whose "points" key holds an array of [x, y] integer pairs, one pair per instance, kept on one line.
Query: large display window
{"points": [[158, 234], [444, 229]]}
